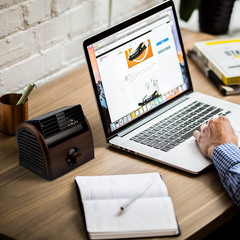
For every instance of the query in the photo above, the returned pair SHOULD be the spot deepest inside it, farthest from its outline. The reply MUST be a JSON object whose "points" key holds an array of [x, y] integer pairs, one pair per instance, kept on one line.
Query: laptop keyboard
{"points": [[176, 128]]}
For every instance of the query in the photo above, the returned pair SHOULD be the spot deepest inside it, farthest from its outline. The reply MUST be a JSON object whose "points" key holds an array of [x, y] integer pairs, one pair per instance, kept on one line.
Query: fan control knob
{"points": [[73, 155]]}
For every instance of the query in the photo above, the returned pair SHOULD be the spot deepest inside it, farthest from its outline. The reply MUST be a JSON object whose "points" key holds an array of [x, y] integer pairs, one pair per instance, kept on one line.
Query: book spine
{"points": [[208, 72], [217, 82], [215, 70], [225, 90], [207, 62]]}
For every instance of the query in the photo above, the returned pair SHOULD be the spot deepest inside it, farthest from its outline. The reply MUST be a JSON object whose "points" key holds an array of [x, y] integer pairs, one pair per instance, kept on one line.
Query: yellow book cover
{"points": [[223, 57]]}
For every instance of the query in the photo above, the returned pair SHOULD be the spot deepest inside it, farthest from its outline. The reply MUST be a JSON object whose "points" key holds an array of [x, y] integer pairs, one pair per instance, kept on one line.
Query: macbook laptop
{"points": [[144, 91]]}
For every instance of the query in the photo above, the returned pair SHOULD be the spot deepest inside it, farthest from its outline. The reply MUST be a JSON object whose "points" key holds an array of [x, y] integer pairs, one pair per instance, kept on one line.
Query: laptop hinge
{"points": [[152, 116]]}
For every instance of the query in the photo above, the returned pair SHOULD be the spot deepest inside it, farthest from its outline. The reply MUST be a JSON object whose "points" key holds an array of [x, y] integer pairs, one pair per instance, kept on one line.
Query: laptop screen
{"points": [[136, 68]]}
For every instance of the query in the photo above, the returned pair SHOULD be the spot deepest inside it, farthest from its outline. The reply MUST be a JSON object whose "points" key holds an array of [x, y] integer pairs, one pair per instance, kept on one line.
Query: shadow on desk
{"points": [[4, 237], [229, 230]]}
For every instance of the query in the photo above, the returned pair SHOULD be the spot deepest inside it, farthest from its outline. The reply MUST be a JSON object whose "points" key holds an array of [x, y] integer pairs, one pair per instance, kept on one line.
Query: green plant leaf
{"points": [[187, 7]]}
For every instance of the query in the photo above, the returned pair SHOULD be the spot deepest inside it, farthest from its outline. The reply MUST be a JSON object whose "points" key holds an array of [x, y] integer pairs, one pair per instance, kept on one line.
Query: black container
{"points": [[215, 15]]}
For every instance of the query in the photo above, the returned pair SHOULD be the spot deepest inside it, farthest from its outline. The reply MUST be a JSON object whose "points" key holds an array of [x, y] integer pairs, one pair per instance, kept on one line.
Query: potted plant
{"points": [[214, 15]]}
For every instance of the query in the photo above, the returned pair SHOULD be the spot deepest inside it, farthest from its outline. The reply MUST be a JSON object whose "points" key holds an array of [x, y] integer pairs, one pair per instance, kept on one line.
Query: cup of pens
{"points": [[14, 110]]}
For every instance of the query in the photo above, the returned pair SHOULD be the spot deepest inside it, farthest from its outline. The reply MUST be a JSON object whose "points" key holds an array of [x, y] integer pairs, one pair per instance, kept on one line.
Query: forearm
{"points": [[226, 158]]}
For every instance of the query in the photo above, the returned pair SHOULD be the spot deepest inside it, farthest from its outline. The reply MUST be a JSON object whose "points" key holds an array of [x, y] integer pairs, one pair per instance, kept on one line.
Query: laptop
{"points": [[144, 92]]}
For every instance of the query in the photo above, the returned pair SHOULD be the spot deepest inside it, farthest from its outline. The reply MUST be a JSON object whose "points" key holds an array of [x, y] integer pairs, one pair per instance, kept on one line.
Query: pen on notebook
{"points": [[136, 195], [26, 94]]}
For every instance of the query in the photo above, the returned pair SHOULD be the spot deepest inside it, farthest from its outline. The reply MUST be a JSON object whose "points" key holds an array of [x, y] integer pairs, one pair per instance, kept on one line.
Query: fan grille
{"points": [[61, 121], [30, 154]]}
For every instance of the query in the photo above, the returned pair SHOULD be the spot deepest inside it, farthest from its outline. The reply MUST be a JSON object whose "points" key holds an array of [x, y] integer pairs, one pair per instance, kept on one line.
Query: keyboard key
{"points": [[177, 134], [179, 140], [152, 138], [165, 149], [170, 146], [146, 141], [136, 139], [175, 143], [161, 144], [168, 134], [189, 134], [206, 105], [216, 111], [191, 120], [152, 143], [156, 135]]}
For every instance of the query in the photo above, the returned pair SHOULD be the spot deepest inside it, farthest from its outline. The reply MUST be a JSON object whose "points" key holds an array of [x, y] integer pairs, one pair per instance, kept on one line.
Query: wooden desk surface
{"points": [[34, 208]]}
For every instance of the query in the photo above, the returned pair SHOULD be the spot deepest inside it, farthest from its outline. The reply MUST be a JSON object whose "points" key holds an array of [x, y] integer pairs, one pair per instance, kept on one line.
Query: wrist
{"points": [[211, 150]]}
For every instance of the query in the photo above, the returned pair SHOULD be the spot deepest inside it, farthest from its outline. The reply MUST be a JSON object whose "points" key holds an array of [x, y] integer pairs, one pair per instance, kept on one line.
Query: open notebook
{"points": [[150, 215]]}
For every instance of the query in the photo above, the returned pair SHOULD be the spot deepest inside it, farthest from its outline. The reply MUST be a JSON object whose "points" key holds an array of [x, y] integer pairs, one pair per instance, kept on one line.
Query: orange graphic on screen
{"points": [[94, 64], [180, 57], [142, 52]]}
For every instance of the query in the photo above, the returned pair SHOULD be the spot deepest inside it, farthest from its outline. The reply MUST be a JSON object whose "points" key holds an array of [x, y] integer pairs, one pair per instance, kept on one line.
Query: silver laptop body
{"points": [[144, 91]]}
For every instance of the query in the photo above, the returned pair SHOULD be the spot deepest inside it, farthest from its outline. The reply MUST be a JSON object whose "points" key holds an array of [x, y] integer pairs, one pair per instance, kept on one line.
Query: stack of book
{"points": [[220, 61]]}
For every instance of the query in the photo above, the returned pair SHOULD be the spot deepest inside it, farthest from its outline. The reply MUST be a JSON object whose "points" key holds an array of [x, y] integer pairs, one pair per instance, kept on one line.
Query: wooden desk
{"points": [[34, 208]]}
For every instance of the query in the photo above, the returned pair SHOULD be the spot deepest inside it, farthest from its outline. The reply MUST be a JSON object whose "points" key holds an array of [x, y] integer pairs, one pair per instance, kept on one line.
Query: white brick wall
{"points": [[42, 39]]}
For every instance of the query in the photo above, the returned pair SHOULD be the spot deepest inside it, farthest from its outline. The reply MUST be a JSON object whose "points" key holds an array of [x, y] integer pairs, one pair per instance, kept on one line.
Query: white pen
{"points": [[136, 195]]}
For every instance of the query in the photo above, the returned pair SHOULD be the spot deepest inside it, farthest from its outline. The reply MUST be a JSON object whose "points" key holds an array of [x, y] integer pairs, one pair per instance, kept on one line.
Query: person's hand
{"points": [[218, 131]]}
